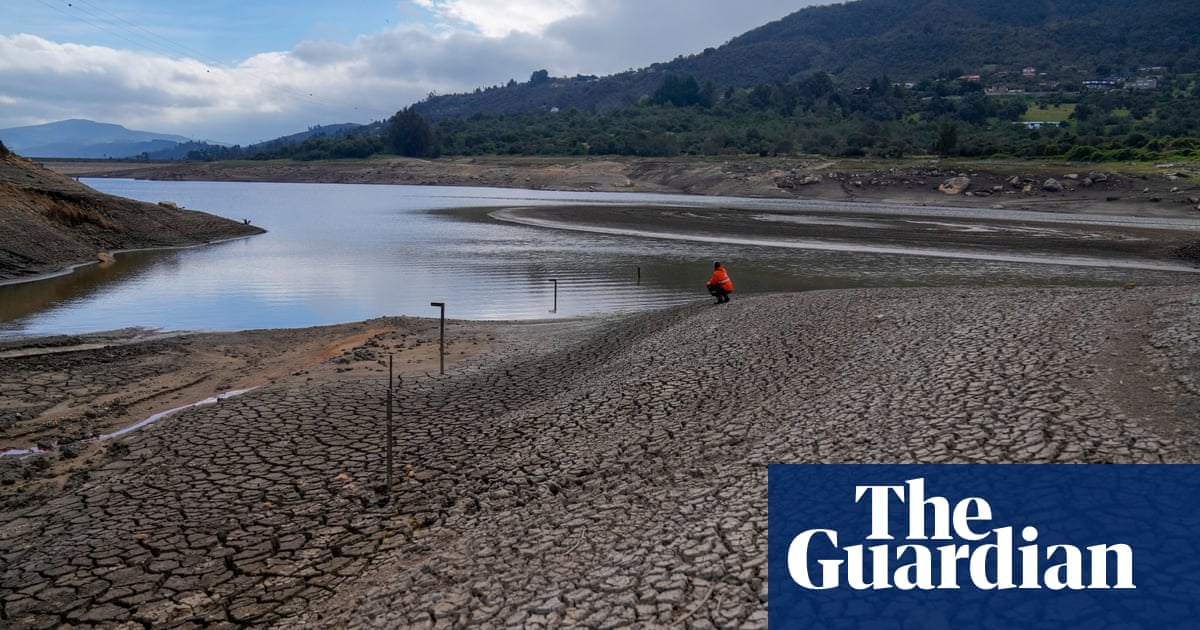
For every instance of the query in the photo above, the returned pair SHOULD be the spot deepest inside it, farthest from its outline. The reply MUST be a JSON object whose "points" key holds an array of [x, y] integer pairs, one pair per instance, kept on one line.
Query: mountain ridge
{"points": [[84, 138], [907, 40]]}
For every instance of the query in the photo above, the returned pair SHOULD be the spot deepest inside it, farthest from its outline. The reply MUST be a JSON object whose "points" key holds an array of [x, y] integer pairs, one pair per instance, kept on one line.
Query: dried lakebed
{"points": [[601, 472]]}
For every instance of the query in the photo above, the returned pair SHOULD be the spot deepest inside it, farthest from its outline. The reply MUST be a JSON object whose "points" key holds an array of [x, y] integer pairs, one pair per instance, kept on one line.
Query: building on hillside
{"points": [[1142, 83]]}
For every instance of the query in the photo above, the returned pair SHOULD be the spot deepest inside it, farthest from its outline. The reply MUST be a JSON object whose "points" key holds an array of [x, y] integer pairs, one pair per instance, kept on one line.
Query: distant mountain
{"points": [[78, 138], [904, 40], [205, 150]]}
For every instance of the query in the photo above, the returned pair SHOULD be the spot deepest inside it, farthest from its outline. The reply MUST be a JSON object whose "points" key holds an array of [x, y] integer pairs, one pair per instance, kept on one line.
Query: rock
{"points": [[1086, 182], [1052, 185], [1071, 176], [1174, 189], [1194, 199], [955, 185], [793, 181], [1015, 182], [1098, 176], [169, 204], [105, 257], [997, 188]]}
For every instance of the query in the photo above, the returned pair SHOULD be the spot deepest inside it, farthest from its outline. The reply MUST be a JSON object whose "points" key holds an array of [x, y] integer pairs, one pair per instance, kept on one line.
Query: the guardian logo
{"points": [[947, 546]]}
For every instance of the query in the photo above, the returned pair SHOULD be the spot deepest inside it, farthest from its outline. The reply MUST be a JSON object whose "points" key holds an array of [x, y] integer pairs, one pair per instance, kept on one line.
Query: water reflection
{"points": [[21, 300], [338, 253]]}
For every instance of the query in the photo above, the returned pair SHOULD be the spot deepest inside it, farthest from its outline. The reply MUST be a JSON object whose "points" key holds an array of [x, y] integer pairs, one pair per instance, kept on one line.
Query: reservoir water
{"points": [[346, 252]]}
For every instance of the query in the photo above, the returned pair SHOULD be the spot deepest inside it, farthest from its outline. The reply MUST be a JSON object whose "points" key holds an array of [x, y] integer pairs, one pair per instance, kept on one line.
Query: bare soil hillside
{"points": [[49, 221]]}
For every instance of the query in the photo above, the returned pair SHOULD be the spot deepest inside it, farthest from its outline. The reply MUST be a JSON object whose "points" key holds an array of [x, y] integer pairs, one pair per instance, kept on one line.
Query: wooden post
{"points": [[389, 431], [555, 281]]}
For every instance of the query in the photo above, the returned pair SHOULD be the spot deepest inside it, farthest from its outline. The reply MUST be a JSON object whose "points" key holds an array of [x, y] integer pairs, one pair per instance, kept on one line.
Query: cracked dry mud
{"points": [[603, 474]]}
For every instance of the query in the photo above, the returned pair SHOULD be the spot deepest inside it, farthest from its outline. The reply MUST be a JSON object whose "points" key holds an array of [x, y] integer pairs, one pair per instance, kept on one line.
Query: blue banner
{"points": [[953, 547]]}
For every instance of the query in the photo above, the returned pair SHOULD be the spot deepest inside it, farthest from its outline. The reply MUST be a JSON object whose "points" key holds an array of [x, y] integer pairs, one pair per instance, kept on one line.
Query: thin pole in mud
{"points": [[388, 449], [639, 276], [555, 281], [442, 343]]}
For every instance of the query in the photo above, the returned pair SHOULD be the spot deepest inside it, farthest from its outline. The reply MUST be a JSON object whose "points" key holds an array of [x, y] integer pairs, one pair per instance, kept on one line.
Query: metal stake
{"points": [[555, 281], [442, 344]]}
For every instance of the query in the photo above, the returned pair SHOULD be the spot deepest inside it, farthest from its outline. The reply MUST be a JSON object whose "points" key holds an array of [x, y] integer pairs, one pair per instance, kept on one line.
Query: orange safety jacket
{"points": [[720, 278]]}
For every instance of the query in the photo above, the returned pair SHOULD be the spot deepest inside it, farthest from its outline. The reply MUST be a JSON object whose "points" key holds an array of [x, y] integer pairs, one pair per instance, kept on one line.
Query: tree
{"points": [[678, 91], [947, 137], [409, 135], [539, 77]]}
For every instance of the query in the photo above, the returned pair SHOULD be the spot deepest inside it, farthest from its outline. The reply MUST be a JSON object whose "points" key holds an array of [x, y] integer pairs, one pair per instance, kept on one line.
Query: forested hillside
{"points": [[907, 40], [1086, 80]]}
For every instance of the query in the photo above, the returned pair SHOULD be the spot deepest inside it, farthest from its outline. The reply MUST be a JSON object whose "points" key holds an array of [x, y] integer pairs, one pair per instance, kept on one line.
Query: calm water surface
{"points": [[346, 252]]}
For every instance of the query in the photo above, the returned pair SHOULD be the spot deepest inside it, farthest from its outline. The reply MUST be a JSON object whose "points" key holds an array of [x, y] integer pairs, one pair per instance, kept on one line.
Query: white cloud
{"points": [[481, 43], [497, 18]]}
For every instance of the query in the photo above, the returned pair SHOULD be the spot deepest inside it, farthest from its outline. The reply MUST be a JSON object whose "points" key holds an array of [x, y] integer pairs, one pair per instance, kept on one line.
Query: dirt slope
{"points": [[49, 221]]}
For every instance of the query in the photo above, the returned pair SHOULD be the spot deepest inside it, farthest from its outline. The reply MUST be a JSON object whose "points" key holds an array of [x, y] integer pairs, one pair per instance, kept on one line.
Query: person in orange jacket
{"points": [[719, 284]]}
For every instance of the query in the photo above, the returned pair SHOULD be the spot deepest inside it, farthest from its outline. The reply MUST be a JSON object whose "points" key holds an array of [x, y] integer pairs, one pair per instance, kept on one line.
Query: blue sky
{"points": [[251, 70]]}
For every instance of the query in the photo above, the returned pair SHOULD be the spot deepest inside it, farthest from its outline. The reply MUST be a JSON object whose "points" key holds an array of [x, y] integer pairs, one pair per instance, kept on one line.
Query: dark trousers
{"points": [[721, 294]]}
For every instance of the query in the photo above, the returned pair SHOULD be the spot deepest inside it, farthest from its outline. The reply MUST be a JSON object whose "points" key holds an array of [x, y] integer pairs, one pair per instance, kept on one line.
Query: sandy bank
{"points": [[591, 471]]}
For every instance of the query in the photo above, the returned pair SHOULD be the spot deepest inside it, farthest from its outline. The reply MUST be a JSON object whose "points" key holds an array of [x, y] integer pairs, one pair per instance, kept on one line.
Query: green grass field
{"points": [[1052, 113]]}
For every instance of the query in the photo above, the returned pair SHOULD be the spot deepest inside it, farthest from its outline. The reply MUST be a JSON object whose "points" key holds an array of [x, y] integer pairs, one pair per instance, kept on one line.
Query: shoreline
{"points": [[866, 192], [1159, 190], [114, 253]]}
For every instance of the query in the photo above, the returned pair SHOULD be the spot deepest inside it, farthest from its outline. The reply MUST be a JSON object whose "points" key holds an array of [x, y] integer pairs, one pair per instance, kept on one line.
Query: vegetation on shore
{"points": [[813, 115]]}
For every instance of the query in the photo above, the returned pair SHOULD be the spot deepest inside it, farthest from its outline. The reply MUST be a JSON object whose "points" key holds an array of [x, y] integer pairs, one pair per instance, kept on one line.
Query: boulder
{"points": [[1015, 182], [1052, 185], [955, 185], [1098, 176]]}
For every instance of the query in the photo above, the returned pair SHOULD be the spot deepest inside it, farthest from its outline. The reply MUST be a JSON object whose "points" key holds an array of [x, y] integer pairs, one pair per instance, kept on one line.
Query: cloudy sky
{"points": [[242, 71]]}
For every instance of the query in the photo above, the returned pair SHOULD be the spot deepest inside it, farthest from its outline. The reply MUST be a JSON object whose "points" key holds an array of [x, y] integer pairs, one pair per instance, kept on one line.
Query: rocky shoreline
{"points": [[598, 472]]}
